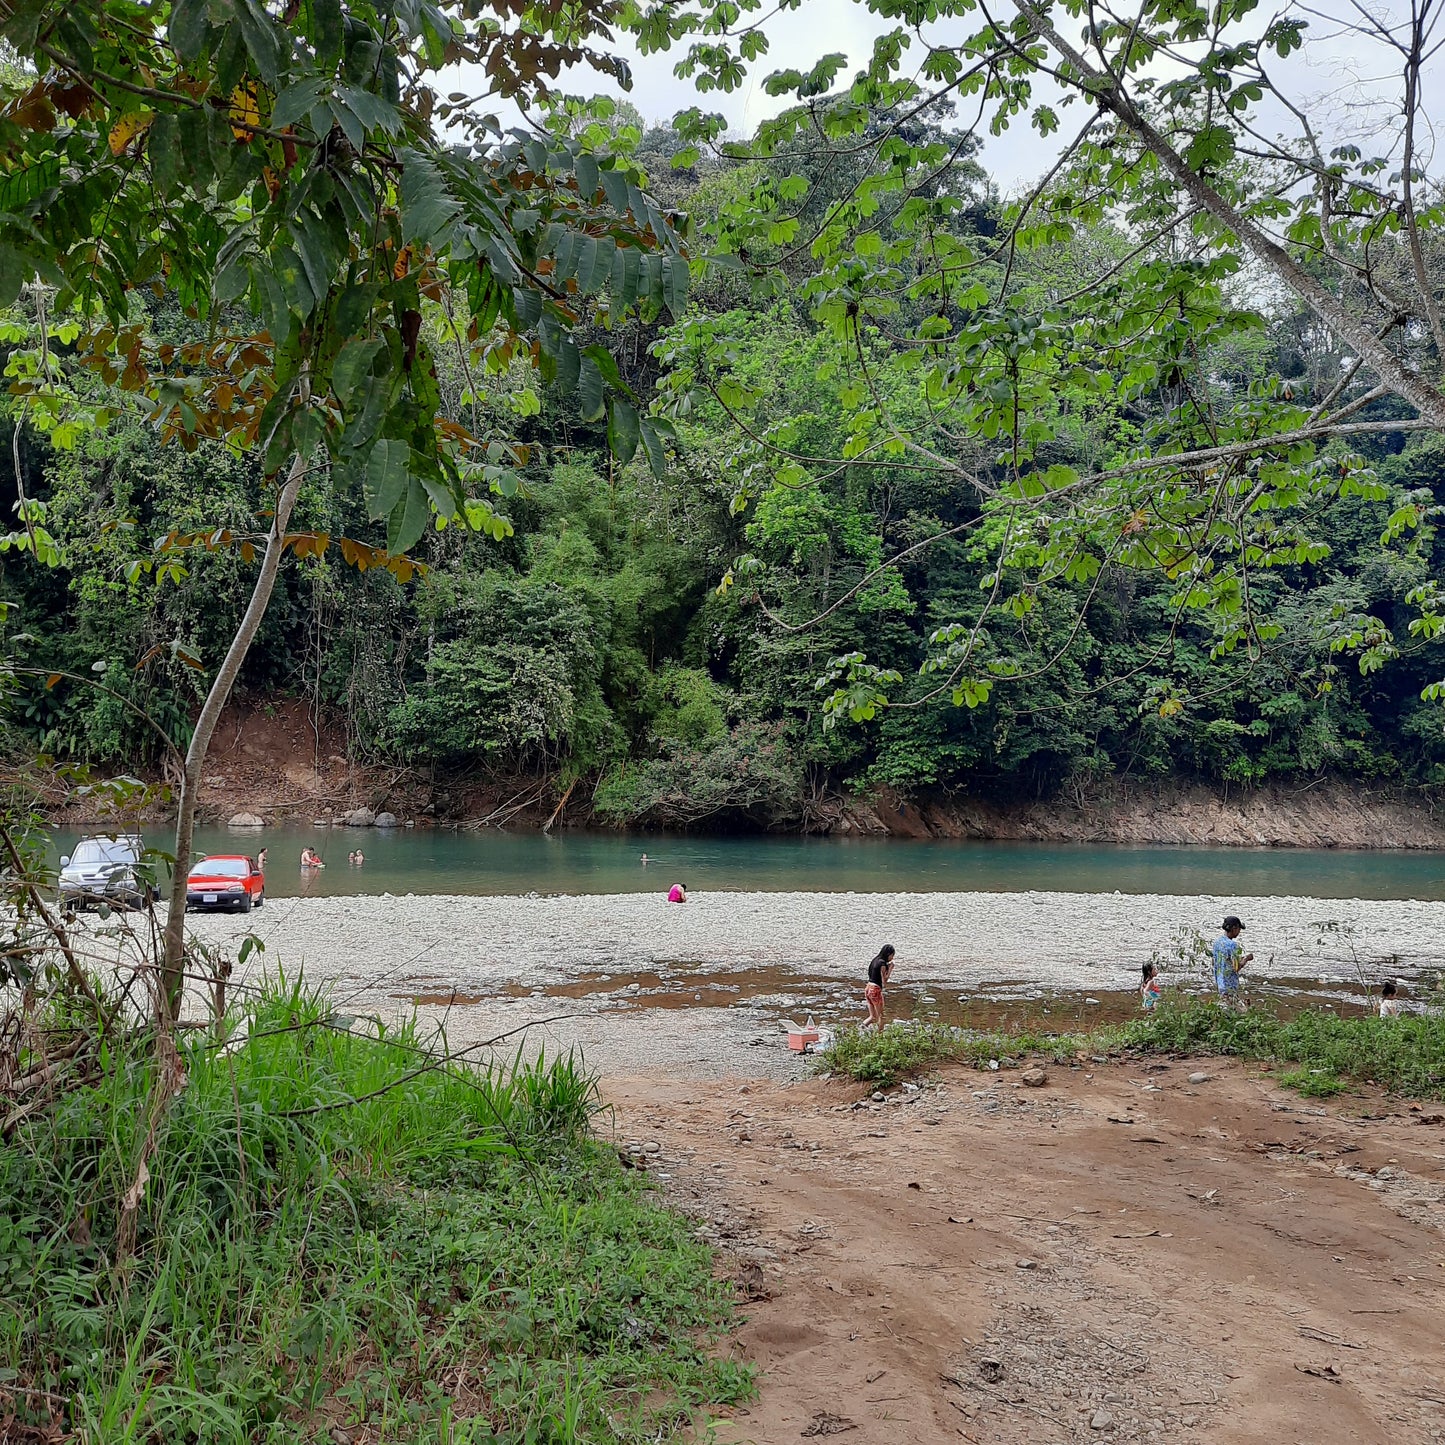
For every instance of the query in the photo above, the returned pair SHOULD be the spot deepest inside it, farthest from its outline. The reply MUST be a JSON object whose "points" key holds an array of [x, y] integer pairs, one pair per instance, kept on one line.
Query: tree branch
{"points": [[1106, 91]]}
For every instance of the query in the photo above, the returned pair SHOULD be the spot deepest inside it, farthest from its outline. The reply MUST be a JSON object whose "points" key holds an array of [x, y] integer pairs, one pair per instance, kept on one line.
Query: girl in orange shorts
{"points": [[879, 972]]}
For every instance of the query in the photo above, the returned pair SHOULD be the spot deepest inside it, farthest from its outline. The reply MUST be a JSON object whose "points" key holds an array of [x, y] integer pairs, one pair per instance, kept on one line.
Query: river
{"points": [[491, 862]]}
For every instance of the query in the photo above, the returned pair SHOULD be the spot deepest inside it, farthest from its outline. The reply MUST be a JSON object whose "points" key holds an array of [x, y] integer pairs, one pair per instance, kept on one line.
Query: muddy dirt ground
{"points": [[1122, 1254]]}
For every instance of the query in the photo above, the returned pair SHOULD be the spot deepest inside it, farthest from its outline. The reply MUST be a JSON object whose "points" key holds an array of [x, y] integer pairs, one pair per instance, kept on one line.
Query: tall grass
{"points": [[337, 1232], [1406, 1055]]}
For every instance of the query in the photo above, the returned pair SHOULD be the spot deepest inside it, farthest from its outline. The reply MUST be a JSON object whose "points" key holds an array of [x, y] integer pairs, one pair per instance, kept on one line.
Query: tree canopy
{"points": [[1133, 472], [1173, 212]]}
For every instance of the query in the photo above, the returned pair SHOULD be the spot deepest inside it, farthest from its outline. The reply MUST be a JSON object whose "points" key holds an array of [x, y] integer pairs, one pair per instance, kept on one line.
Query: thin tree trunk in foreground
{"points": [[173, 953]]}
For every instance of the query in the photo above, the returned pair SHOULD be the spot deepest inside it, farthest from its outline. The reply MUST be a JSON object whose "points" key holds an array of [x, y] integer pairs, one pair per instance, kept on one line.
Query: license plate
{"points": [[208, 897]]}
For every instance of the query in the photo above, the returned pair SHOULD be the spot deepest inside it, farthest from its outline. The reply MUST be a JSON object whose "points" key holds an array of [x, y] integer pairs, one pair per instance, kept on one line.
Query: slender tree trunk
{"points": [[173, 953]]}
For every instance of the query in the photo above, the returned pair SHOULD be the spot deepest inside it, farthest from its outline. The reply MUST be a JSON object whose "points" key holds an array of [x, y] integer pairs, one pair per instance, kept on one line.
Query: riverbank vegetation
{"points": [[905, 515], [329, 1233], [1319, 1051]]}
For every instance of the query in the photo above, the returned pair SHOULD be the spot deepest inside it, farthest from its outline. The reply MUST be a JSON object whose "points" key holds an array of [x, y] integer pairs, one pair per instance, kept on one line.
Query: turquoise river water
{"points": [[434, 860]]}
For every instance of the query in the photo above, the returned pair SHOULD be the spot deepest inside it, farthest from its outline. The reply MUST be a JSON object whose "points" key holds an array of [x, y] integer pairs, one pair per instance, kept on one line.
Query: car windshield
{"points": [[220, 868], [94, 851]]}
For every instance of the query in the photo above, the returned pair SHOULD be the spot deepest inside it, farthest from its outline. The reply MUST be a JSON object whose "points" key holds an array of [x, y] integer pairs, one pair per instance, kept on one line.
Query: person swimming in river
{"points": [[677, 893], [310, 858], [879, 972], [357, 858]]}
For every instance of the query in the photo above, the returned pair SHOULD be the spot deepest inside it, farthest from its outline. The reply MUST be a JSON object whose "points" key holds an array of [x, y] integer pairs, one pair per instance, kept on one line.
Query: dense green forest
{"points": [[604, 627]]}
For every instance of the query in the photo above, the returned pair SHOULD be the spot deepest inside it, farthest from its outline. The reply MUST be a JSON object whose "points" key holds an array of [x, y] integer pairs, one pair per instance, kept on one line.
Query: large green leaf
{"points": [[352, 365], [591, 395], [260, 34], [427, 206], [623, 429], [408, 519], [386, 478], [188, 27]]}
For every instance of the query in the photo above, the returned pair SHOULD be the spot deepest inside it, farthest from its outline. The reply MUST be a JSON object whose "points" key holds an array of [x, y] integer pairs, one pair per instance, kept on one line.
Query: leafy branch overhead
{"points": [[1080, 361], [288, 175]]}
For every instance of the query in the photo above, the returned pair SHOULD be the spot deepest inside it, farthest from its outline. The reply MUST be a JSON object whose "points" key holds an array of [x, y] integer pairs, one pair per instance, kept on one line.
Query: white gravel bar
{"points": [[1047, 940], [479, 967]]}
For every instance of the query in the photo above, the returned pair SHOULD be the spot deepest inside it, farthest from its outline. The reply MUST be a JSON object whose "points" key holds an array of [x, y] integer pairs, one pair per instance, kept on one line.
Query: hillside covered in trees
{"points": [[671, 636]]}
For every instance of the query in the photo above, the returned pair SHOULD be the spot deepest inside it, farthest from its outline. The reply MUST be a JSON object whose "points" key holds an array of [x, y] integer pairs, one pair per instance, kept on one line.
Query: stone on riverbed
{"points": [[245, 820]]}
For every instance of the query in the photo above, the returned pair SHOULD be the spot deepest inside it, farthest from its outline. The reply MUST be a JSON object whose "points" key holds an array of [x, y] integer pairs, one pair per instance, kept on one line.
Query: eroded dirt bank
{"points": [[1320, 815], [1121, 1255], [282, 762]]}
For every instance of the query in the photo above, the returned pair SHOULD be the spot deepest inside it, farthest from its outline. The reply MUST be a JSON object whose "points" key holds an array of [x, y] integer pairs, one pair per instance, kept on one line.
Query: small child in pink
{"points": [[1152, 989]]}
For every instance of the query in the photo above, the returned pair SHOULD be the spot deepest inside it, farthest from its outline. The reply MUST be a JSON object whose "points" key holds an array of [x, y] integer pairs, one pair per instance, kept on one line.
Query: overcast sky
{"points": [[1345, 80]]}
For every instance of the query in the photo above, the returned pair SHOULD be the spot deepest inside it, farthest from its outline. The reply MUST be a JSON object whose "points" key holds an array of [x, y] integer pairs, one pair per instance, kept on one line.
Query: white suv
{"points": [[103, 870]]}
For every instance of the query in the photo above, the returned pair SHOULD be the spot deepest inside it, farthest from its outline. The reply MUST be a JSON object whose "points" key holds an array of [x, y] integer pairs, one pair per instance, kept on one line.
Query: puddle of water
{"points": [[772, 992], [442, 1000]]}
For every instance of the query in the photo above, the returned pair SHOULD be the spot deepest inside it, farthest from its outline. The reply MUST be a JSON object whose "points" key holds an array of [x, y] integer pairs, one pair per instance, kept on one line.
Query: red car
{"points": [[228, 880]]}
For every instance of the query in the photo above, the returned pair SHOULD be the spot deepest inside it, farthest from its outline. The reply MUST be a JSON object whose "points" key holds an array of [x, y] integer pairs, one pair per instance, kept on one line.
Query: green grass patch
{"points": [[453, 1259], [1327, 1051], [1313, 1083], [903, 1049], [1405, 1055]]}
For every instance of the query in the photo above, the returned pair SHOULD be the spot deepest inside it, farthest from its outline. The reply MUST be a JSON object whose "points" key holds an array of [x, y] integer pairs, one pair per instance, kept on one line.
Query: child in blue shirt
{"points": [[1229, 962]]}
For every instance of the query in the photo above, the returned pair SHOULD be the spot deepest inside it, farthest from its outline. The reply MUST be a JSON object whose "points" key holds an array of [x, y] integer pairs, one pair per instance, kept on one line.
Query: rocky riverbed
{"points": [[638, 982]]}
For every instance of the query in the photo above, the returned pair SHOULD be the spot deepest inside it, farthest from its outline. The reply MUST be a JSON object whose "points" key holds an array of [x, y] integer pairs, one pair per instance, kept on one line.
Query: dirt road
{"points": [[1118, 1255]]}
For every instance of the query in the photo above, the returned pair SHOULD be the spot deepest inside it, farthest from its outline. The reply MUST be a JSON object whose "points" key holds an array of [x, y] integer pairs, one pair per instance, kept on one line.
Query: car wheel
{"points": [[261, 899], [245, 903]]}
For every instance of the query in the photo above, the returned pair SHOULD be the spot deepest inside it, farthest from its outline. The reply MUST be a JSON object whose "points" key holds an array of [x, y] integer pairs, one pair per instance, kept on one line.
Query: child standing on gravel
{"points": [[879, 972], [1152, 988], [1229, 961]]}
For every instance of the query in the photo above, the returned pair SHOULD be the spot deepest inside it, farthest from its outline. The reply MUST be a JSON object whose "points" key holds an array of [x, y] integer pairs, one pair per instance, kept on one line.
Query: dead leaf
{"points": [[825, 1424], [1322, 1372], [127, 128], [130, 1200], [245, 112]]}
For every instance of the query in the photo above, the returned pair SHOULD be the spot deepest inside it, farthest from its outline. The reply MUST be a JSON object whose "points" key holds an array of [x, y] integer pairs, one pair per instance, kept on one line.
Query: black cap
{"points": [[1232, 922]]}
